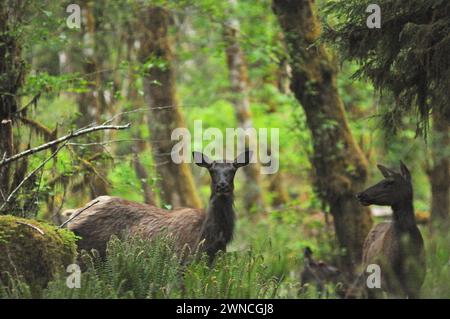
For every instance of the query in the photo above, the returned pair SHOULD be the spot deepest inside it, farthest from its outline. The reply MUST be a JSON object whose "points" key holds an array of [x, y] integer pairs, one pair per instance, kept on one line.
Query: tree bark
{"points": [[238, 74], [175, 180], [91, 104], [142, 175], [11, 78], [439, 174], [340, 166]]}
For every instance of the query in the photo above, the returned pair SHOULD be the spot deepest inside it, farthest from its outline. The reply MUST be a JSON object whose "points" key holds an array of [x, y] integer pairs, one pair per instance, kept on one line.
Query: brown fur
{"points": [[116, 216], [189, 227], [401, 257], [396, 246]]}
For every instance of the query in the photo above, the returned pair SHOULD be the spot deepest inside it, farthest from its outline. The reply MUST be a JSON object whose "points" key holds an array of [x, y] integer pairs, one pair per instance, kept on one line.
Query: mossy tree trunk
{"points": [[11, 78], [238, 76], [175, 180], [340, 166], [439, 174]]}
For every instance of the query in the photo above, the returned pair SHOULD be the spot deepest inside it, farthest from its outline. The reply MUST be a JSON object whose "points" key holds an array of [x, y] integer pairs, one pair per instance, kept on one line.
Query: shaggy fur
{"points": [[396, 246], [209, 231]]}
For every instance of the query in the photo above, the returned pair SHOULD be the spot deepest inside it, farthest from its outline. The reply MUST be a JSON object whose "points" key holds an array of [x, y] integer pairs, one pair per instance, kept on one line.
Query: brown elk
{"points": [[397, 246], [213, 228], [317, 273]]}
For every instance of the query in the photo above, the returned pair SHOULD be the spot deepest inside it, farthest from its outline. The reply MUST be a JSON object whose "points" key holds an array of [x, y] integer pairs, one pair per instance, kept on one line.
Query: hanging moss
{"points": [[34, 251], [407, 59]]}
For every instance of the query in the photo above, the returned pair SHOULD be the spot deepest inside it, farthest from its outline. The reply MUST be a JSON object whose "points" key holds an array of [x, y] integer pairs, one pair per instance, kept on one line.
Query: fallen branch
{"points": [[78, 213], [64, 138]]}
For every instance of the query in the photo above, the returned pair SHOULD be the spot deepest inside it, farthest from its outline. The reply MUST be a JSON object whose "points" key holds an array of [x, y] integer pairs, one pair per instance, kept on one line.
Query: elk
{"points": [[209, 230], [397, 246], [316, 272]]}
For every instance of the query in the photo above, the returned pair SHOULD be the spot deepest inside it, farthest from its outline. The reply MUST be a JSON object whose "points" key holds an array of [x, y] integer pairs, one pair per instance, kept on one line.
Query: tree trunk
{"points": [[142, 175], [440, 172], [11, 78], [237, 68], [91, 104], [175, 180], [277, 187], [340, 166]]}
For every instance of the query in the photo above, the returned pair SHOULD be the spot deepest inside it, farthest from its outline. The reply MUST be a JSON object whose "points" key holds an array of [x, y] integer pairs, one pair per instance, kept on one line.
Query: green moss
{"points": [[33, 250]]}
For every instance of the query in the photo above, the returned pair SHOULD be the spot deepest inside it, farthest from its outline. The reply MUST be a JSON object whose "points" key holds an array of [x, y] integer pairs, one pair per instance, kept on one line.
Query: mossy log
{"points": [[33, 251]]}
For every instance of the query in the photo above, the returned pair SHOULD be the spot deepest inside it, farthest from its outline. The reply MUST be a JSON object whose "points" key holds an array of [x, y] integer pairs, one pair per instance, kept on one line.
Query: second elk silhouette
{"points": [[319, 274], [396, 246], [210, 230]]}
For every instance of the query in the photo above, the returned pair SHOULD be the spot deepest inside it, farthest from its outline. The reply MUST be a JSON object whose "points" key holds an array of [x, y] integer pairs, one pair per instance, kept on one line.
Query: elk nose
{"points": [[360, 196], [222, 186]]}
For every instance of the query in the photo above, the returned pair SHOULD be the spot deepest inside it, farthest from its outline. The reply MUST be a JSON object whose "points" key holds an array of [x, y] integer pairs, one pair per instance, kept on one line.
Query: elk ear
{"points": [[201, 159], [243, 159], [405, 171], [385, 171], [307, 252]]}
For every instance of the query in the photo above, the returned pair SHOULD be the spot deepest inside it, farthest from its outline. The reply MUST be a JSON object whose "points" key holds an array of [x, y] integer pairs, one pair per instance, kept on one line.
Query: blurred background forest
{"points": [[343, 100]]}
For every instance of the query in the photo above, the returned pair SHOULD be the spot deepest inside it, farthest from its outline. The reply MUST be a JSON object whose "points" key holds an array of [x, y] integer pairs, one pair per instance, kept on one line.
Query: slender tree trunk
{"points": [[276, 181], [91, 104], [11, 78], [340, 166], [142, 175], [439, 174], [175, 180], [239, 87]]}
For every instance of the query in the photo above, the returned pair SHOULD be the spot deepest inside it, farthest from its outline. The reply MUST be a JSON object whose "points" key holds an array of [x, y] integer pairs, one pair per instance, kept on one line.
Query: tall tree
{"points": [[238, 75], [407, 61], [175, 180], [439, 172], [12, 70], [92, 104], [340, 166]]}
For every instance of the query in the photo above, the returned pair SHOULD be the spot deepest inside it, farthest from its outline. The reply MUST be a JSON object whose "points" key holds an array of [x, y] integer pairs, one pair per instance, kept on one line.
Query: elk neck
{"points": [[403, 215], [220, 217]]}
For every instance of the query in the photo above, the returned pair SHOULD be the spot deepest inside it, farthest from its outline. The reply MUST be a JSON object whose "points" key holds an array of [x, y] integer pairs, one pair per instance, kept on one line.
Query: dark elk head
{"points": [[395, 188], [222, 172]]}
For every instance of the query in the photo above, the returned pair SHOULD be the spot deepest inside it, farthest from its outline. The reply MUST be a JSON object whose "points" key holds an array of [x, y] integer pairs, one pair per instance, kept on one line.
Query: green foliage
{"points": [[234, 275], [407, 58], [12, 287], [265, 259], [136, 268], [437, 250]]}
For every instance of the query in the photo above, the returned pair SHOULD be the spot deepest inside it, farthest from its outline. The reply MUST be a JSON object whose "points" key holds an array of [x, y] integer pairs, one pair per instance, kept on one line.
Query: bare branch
{"points": [[64, 138], [32, 226], [78, 213], [31, 174], [135, 111], [107, 142]]}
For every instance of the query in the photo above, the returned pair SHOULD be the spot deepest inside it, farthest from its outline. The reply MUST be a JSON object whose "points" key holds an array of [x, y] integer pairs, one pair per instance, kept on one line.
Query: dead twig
{"points": [[29, 175], [64, 138], [78, 213], [32, 226]]}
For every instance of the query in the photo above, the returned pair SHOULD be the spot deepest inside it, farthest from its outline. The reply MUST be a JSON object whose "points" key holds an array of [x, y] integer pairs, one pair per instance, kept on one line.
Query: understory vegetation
{"points": [[334, 97], [263, 267]]}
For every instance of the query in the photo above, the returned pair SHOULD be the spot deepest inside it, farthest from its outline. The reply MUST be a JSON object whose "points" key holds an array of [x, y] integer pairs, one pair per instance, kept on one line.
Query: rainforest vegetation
{"points": [[91, 93]]}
